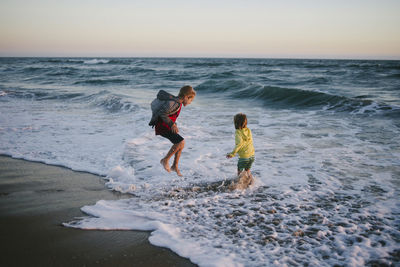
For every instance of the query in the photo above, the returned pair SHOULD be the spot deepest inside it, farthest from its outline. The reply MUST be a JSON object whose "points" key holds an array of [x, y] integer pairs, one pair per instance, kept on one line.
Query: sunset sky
{"points": [[367, 29]]}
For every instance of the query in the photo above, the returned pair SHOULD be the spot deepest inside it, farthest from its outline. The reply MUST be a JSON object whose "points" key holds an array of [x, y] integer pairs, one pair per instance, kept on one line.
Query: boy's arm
{"points": [[239, 143], [167, 109], [174, 128], [166, 119]]}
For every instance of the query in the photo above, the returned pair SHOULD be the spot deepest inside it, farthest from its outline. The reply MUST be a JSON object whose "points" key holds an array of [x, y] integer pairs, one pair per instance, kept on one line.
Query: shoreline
{"points": [[36, 198]]}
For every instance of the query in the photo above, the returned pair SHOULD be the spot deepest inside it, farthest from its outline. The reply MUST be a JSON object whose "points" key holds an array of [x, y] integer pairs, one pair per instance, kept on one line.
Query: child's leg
{"points": [[251, 181], [178, 143], [248, 171], [177, 157], [175, 149]]}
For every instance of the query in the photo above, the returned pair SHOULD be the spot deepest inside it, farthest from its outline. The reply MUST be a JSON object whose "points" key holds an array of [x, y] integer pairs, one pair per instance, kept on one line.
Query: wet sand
{"points": [[35, 199]]}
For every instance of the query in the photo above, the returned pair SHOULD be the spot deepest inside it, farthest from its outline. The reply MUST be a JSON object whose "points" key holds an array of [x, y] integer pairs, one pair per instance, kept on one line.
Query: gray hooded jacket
{"points": [[164, 105]]}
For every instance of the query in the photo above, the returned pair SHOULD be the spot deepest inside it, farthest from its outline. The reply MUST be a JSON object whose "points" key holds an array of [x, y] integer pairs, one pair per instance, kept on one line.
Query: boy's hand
{"points": [[174, 128], [228, 156]]}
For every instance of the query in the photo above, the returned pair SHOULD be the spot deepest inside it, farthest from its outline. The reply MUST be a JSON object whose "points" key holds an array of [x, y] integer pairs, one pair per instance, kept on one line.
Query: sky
{"points": [[359, 29]]}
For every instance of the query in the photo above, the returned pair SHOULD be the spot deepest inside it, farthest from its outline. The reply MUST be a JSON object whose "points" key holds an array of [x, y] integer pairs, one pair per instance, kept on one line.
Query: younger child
{"points": [[244, 144], [166, 109]]}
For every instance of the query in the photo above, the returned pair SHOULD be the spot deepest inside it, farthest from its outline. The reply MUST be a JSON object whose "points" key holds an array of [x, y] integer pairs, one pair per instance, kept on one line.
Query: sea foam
{"points": [[96, 61]]}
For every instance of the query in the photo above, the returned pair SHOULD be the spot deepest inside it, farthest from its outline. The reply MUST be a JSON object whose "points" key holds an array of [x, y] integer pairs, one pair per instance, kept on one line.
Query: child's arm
{"points": [[167, 109], [174, 128], [239, 143]]}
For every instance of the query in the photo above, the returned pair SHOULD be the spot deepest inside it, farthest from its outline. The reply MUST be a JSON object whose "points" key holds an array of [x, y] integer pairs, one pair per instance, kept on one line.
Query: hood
{"points": [[245, 133], [163, 95]]}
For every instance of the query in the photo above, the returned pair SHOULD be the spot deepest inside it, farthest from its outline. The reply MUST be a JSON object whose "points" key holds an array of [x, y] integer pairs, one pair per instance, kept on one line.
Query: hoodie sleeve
{"points": [[169, 108], [238, 143]]}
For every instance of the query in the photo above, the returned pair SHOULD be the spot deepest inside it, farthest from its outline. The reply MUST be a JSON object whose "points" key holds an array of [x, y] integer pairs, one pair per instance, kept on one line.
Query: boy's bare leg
{"points": [[250, 176], [165, 161], [177, 157], [174, 166], [165, 164], [174, 149]]}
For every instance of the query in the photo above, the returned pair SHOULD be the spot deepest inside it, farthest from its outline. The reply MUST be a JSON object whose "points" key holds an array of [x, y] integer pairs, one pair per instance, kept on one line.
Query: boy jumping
{"points": [[166, 109]]}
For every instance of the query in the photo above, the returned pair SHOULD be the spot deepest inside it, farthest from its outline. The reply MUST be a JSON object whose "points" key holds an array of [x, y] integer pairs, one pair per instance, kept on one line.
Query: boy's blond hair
{"points": [[187, 91], [240, 121]]}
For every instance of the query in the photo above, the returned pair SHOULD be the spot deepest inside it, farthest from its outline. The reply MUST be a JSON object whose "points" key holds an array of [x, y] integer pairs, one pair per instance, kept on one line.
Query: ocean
{"points": [[326, 135]]}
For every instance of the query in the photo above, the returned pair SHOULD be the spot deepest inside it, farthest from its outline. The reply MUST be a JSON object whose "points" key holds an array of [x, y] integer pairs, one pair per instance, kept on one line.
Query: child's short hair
{"points": [[187, 91], [240, 121]]}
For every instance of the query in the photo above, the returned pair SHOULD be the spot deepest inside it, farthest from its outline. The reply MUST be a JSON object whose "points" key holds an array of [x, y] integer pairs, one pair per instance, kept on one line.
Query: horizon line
{"points": [[395, 58]]}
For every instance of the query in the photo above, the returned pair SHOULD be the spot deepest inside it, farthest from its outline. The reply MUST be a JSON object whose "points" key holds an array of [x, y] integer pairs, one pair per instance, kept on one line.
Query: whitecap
{"points": [[96, 61]]}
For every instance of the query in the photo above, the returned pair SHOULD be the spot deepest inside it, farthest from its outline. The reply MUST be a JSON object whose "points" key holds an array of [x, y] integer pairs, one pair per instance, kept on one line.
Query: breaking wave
{"points": [[295, 98]]}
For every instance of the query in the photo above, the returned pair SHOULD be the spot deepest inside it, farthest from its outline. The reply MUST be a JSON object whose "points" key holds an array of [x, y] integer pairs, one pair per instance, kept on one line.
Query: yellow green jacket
{"points": [[243, 143]]}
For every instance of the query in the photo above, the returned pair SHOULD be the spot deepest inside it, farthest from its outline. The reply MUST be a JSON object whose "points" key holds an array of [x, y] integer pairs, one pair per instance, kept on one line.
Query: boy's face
{"points": [[187, 100]]}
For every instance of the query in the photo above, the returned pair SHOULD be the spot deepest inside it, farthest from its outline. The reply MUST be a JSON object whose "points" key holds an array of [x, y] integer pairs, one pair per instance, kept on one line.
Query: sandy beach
{"points": [[35, 199]]}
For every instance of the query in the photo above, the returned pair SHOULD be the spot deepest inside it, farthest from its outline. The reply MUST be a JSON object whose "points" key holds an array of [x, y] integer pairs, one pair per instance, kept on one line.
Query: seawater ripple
{"points": [[322, 84]]}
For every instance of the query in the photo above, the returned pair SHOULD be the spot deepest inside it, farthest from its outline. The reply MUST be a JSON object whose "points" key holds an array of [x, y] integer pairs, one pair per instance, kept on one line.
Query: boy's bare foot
{"points": [[176, 170], [165, 164]]}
